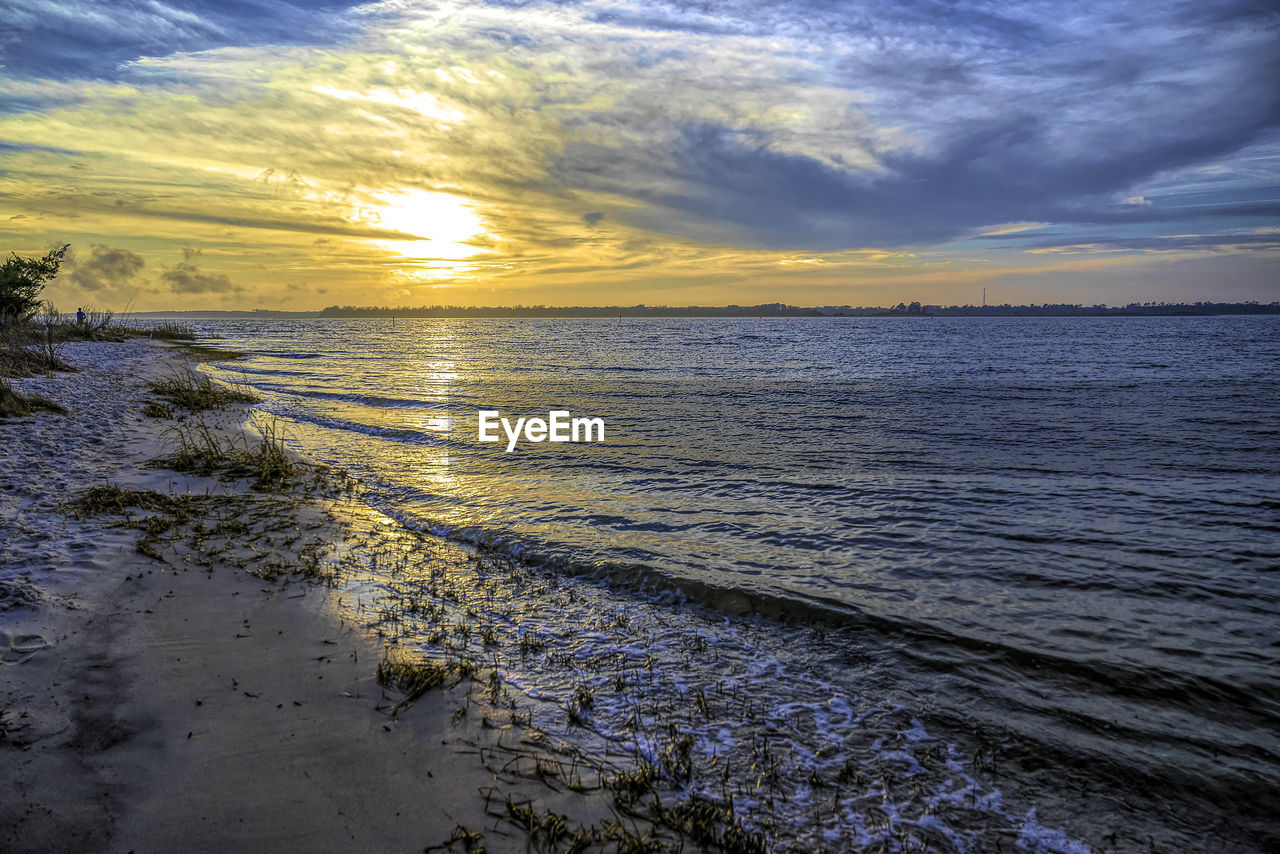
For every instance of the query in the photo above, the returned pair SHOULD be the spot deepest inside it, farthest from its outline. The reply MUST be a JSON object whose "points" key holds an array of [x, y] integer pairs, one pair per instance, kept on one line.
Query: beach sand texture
{"points": [[148, 708]]}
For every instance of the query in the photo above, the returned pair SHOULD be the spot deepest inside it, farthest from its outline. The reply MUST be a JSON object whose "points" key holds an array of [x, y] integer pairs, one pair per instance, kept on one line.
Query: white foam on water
{"points": [[808, 762]]}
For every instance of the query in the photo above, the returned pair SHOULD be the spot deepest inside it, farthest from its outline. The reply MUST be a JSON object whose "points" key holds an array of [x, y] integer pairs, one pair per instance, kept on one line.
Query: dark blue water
{"points": [[1062, 533]]}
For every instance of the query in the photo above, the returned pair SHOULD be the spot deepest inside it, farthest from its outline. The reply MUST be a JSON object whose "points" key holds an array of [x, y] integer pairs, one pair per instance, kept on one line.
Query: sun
{"points": [[444, 222]]}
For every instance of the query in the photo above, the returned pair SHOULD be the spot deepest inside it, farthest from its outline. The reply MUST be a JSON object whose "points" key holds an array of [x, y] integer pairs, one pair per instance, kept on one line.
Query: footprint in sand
{"points": [[16, 649]]}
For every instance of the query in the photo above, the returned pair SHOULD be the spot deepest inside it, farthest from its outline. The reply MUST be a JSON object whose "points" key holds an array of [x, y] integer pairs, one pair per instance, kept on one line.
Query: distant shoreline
{"points": [[1197, 309]]}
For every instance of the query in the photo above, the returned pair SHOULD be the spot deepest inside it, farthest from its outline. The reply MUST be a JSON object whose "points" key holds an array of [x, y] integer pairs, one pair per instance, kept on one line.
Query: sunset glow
{"points": [[621, 152]]}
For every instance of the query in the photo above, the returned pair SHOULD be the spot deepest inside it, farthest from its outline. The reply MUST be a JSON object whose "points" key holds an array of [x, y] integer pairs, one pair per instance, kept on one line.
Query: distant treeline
{"points": [[915, 309]]}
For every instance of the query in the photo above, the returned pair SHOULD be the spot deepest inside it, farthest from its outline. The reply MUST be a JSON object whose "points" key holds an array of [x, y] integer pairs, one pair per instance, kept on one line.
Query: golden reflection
{"points": [[433, 375]]}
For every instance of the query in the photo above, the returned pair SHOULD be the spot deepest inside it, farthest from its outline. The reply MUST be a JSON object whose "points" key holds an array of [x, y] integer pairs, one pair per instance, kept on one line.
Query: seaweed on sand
{"points": [[260, 534], [412, 679]]}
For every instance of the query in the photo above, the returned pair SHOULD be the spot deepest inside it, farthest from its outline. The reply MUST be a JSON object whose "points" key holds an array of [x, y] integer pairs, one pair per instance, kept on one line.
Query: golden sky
{"points": [[302, 155]]}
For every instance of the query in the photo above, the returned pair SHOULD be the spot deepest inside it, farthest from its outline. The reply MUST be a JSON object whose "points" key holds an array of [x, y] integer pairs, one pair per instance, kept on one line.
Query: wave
{"points": [[273, 372], [288, 354], [1113, 720], [371, 400], [1169, 688], [395, 434]]}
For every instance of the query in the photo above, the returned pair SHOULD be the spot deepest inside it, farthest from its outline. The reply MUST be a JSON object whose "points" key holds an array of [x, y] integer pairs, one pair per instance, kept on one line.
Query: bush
{"points": [[22, 280]]}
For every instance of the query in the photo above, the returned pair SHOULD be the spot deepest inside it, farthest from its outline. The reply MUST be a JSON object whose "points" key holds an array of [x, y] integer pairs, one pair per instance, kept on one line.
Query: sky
{"points": [[294, 155]]}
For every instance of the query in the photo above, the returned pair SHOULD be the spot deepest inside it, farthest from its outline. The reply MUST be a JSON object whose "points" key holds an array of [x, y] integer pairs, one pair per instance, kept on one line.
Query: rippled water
{"points": [[1061, 534]]}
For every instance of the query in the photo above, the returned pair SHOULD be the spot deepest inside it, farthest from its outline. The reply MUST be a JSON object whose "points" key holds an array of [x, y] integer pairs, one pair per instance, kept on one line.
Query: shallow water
{"points": [[1055, 535]]}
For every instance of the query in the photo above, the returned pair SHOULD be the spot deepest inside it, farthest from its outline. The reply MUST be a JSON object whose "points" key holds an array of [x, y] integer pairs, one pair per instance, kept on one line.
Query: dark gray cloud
{"points": [[88, 39], [1046, 112], [1000, 173], [186, 277], [1262, 241], [105, 267]]}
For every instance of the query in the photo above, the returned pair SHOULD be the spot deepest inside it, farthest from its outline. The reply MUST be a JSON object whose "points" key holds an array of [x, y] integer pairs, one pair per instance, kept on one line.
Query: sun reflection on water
{"points": [[432, 372]]}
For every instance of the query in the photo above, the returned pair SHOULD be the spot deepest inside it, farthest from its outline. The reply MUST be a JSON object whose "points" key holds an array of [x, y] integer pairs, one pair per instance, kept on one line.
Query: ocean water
{"points": [[1031, 564]]}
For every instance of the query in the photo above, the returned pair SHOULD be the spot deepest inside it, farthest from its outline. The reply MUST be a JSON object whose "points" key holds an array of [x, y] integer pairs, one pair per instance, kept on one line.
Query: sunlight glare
{"points": [[443, 221]]}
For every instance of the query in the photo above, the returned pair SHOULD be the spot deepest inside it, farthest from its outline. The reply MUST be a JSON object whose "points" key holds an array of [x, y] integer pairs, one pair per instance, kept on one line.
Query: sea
{"points": [[944, 579]]}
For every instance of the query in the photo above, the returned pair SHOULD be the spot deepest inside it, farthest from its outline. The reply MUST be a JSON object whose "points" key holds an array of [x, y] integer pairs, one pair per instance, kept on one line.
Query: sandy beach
{"points": [[187, 704]]}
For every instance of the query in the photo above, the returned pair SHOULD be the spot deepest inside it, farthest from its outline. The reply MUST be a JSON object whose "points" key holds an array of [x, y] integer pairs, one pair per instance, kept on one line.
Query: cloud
{"points": [[1253, 241], [998, 171], [770, 124], [105, 268], [187, 278], [800, 125], [85, 39], [703, 134]]}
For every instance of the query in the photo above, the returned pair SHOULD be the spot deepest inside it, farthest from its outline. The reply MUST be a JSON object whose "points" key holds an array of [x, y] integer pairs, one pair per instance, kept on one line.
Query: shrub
{"points": [[22, 280]]}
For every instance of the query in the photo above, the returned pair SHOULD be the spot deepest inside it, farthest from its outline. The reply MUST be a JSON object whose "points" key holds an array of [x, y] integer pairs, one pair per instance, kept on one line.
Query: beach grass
{"points": [[156, 409], [168, 330], [200, 449], [206, 353], [29, 362], [16, 404], [100, 325], [194, 391], [27, 350]]}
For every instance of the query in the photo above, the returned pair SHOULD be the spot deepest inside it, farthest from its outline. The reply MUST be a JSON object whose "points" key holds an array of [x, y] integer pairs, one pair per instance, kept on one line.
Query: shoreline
{"points": [[204, 701], [765, 311], [151, 708], [168, 685]]}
